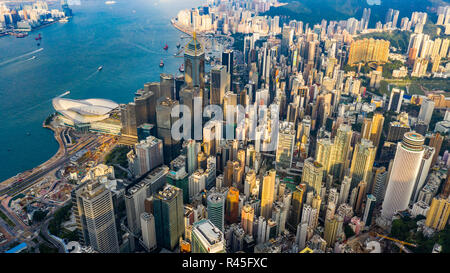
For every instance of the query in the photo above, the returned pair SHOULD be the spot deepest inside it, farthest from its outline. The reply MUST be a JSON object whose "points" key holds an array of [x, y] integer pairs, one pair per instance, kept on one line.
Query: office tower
{"points": [[340, 150], [96, 213], [361, 193], [178, 177], [148, 231], [362, 162], [190, 150], [405, 169], [345, 190], [436, 142], [164, 128], [368, 211], [313, 174], [333, 229], [426, 111], [395, 100], [247, 216], [197, 183], [167, 85], [438, 214], [207, 238], [324, 147], [249, 183], [169, 216], [149, 154], [232, 205], [422, 175], [128, 119], [228, 62], [216, 209], [218, 84], [188, 97], [296, 206], [287, 37], [268, 193], [229, 109], [286, 142], [368, 50], [194, 64], [373, 128], [379, 184], [396, 130]]}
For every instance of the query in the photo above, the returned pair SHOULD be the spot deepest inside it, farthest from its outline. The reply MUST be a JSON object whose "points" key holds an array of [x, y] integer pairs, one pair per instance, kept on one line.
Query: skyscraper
{"points": [[194, 63], [268, 194], [362, 163], [373, 128], [403, 176], [247, 216], [437, 216], [368, 211], [95, 208], [395, 100], [169, 216], [148, 231], [426, 111], [218, 84], [164, 128], [286, 142], [216, 209], [232, 205], [149, 154], [228, 62], [313, 174], [296, 206]]}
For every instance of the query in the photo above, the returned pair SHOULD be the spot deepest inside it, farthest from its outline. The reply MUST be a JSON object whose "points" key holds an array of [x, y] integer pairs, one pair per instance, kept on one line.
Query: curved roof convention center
{"points": [[84, 111]]}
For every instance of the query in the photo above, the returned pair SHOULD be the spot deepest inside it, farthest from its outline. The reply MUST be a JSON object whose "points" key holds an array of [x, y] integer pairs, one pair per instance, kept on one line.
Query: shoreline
{"points": [[56, 134]]}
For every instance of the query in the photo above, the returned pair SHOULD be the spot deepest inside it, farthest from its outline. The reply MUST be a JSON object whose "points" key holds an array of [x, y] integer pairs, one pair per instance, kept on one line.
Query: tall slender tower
{"points": [[216, 209], [313, 174], [194, 63], [362, 163], [267, 194], [95, 207], [405, 169]]}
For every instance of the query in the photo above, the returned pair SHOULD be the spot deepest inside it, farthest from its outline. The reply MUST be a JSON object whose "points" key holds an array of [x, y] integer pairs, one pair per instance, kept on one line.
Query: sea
{"points": [[126, 38]]}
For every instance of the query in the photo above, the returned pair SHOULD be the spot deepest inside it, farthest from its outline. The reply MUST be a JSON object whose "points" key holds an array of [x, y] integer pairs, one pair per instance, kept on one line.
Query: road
{"points": [[45, 233]]}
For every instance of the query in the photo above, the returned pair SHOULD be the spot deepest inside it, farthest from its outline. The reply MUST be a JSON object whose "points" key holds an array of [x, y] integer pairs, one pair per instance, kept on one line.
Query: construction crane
{"points": [[399, 243]]}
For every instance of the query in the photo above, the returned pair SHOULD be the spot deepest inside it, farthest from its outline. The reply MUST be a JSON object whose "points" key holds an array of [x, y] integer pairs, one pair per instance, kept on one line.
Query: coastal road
{"points": [[30, 180]]}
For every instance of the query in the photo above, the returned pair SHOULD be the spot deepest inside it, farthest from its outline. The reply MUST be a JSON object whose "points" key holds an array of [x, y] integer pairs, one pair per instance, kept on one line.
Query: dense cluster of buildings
{"points": [[302, 153], [29, 16]]}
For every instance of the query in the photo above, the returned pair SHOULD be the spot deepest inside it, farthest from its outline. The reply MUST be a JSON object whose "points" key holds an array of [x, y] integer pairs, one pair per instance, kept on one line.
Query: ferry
{"points": [[161, 64], [181, 68], [166, 47], [100, 68]]}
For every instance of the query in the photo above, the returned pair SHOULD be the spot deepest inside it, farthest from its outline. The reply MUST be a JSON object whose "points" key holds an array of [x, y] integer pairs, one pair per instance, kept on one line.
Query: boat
{"points": [[178, 45], [100, 68], [181, 68], [110, 2], [32, 58], [38, 38], [161, 64], [166, 47]]}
